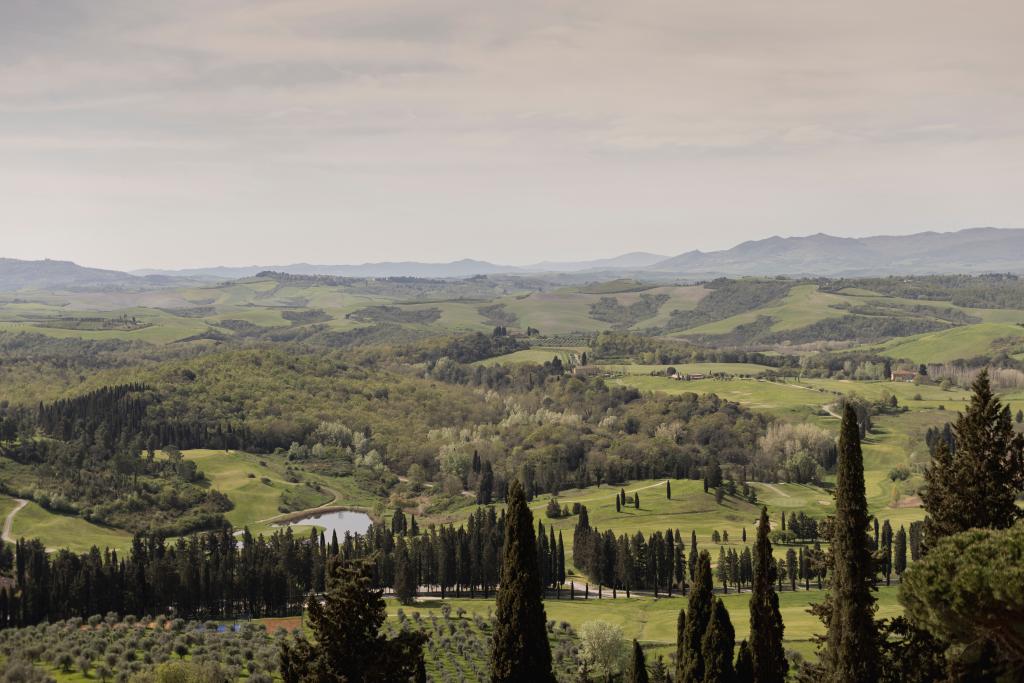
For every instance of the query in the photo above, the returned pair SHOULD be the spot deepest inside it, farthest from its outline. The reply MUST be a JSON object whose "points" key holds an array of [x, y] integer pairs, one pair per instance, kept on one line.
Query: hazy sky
{"points": [[199, 132]]}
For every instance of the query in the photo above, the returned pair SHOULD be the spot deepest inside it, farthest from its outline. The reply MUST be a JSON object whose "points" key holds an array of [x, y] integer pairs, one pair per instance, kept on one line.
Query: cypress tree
{"points": [[899, 552], [766, 628], [405, 575], [693, 554], [618, 507], [520, 647], [976, 484], [718, 644], [680, 641], [744, 664], [638, 666], [690, 666], [485, 487], [886, 552], [668, 490], [851, 653], [636, 500]]}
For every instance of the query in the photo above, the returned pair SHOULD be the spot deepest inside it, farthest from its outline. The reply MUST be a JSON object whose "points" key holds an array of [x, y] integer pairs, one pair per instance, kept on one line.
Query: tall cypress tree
{"points": [[638, 666], [899, 552], [744, 664], [766, 628], [976, 484], [405, 574], [717, 645], [690, 667], [680, 641], [521, 651], [851, 653]]}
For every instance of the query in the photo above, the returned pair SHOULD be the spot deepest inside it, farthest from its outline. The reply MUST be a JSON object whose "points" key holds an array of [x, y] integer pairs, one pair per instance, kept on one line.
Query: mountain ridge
{"points": [[968, 251]]}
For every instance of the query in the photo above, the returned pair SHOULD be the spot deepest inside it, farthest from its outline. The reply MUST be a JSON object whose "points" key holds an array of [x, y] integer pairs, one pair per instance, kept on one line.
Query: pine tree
{"points": [[638, 666], [766, 627], [690, 666], [975, 485], [348, 645], [851, 653], [520, 646], [718, 644]]}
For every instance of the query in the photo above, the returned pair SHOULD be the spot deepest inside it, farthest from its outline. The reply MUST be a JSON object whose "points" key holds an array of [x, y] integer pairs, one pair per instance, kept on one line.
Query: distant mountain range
{"points": [[56, 275], [453, 269], [975, 250]]}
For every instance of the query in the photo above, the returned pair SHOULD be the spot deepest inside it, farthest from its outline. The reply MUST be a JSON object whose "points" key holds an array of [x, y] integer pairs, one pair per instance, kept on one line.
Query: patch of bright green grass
{"points": [[538, 355], [65, 531], [959, 342]]}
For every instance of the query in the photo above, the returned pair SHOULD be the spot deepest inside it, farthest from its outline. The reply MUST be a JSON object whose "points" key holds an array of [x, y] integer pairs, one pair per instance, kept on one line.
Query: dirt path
{"points": [[9, 521]]}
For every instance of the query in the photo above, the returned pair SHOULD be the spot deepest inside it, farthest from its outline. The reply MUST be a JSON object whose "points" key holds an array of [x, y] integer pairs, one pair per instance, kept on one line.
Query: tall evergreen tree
{"points": [[668, 490], [485, 487], [520, 651], [405, 574], [851, 653], [744, 669], [690, 666], [349, 647], [899, 552], [680, 641], [976, 484], [638, 665], [718, 645], [766, 628], [693, 554]]}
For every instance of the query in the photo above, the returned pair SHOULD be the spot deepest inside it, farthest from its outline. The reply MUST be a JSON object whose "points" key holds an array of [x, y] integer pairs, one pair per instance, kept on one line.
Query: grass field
{"points": [[653, 621], [947, 345], [63, 531], [537, 355]]}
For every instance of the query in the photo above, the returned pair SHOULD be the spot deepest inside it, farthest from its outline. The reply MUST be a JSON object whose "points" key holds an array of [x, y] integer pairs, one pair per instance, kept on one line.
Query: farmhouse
{"points": [[902, 376], [587, 370], [689, 377]]}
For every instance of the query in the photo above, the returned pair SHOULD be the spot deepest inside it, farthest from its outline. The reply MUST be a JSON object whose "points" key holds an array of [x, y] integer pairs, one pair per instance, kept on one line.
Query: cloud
{"points": [[597, 126]]}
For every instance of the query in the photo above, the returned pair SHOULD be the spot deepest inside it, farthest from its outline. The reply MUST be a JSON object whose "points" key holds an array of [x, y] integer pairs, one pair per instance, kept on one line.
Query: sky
{"points": [[196, 133]]}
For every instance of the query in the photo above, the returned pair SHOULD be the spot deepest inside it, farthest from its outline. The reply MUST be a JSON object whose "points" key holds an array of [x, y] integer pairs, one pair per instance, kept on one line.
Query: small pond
{"points": [[338, 521]]}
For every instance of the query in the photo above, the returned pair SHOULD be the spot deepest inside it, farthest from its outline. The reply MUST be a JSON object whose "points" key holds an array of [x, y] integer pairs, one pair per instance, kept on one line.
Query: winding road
{"points": [[9, 521]]}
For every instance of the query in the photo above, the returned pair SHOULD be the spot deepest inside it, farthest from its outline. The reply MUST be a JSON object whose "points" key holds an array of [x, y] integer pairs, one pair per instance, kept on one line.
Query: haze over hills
{"points": [[975, 250], [971, 251], [47, 274]]}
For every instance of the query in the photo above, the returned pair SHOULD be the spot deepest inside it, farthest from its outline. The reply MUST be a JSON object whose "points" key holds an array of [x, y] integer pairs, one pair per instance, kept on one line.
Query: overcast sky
{"points": [[198, 132]]}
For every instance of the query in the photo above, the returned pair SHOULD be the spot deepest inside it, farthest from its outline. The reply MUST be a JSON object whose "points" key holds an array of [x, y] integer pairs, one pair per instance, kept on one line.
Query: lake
{"points": [[338, 521]]}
